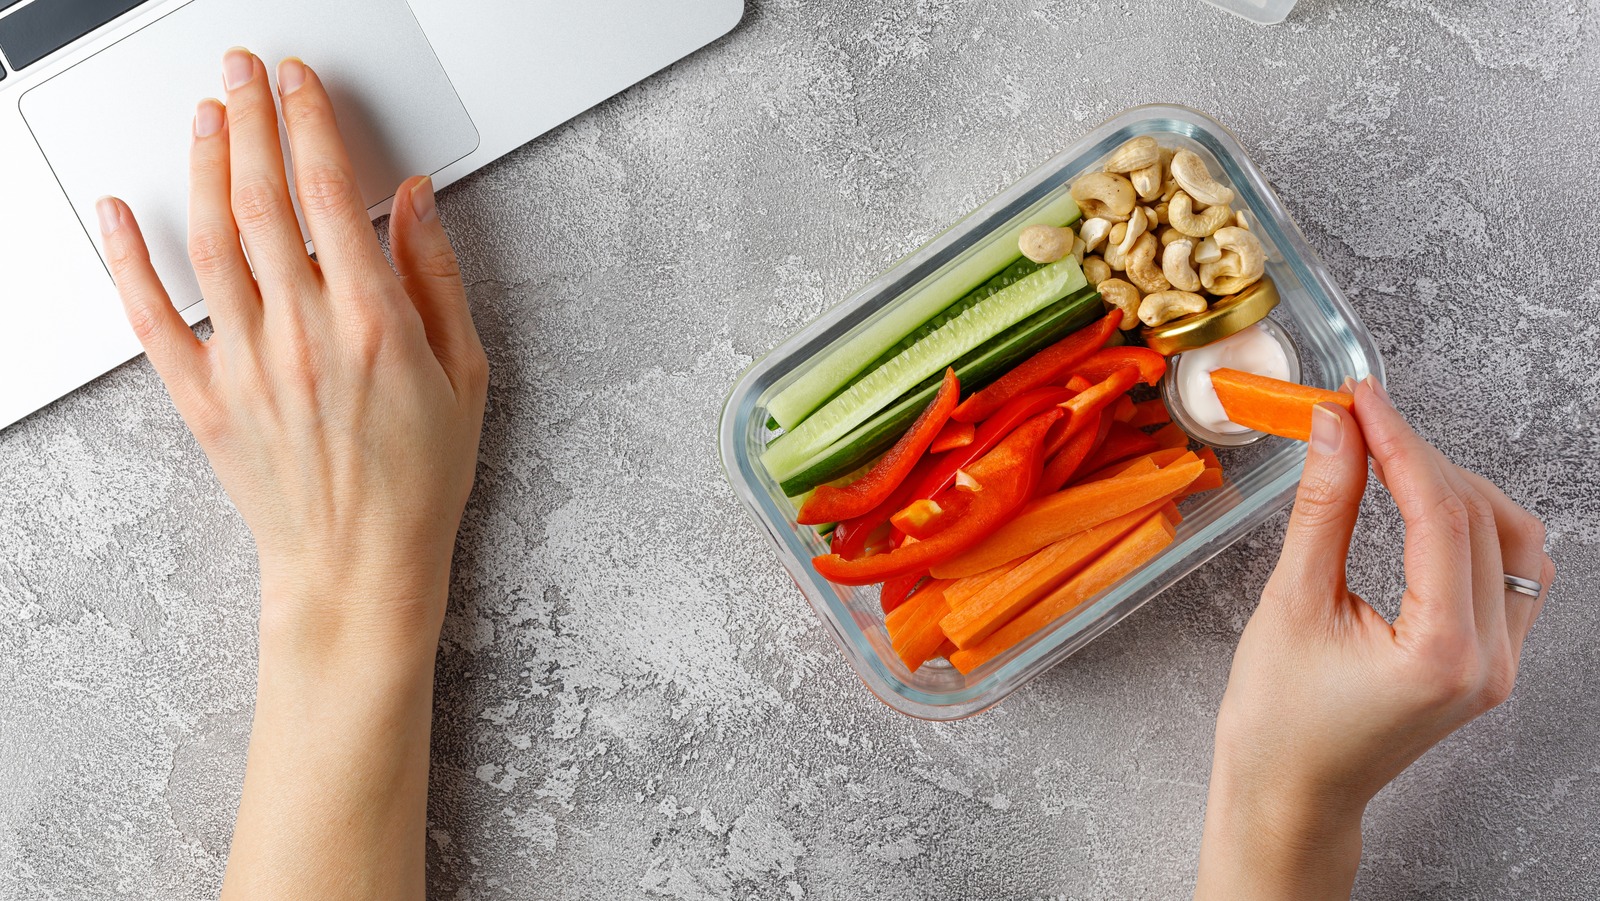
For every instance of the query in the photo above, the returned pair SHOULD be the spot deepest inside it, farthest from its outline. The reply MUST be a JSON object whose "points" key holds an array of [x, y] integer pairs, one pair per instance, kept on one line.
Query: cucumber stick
{"points": [[1008, 276], [834, 371], [976, 369], [933, 353]]}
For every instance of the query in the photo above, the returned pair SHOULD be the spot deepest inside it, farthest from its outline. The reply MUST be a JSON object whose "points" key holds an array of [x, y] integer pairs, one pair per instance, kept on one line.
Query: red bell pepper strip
{"points": [[1123, 442], [953, 435], [1078, 384], [1123, 409], [895, 591], [830, 504], [991, 432], [1150, 364], [1007, 474], [1100, 396], [1047, 367], [1068, 462], [935, 474], [920, 518]]}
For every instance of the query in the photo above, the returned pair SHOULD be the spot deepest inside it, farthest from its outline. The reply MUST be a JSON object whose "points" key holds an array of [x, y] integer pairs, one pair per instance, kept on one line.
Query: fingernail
{"points": [[1349, 385], [1327, 429], [291, 75], [208, 118], [238, 67], [422, 202], [1377, 389], [110, 213]]}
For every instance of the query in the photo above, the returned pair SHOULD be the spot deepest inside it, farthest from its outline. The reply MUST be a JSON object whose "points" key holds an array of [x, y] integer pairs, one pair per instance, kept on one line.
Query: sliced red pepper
{"points": [[895, 591], [1123, 409], [830, 504], [1100, 396], [935, 474], [1150, 364], [1123, 442], [919, 519], [1078, 384], [1007, 475], [953, 435], [1068, 462], [1047, 367]]}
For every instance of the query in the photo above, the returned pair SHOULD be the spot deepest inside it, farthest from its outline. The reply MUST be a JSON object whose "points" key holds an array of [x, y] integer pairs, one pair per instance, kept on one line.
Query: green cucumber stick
{"points": [[840, 365]]}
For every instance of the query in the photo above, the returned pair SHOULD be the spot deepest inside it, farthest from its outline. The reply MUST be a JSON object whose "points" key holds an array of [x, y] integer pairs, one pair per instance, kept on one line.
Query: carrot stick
{"points": [[1161, 458], [1272, 406], [919, 636], [1210, 480], [961, 590], [1123, 442], [1150, 412], [1171, 435], [1136, 549], [945, 650], [1018, 589], [1052, 518], [896, 619]]}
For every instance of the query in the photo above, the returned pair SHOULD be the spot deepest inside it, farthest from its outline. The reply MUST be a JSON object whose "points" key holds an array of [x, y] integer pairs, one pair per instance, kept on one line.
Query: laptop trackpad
{"points": [[120, 121]]}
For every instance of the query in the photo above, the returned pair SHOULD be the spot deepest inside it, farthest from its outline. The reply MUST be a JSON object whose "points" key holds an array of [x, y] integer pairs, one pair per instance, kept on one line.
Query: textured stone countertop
{"points": [[633, 700]]}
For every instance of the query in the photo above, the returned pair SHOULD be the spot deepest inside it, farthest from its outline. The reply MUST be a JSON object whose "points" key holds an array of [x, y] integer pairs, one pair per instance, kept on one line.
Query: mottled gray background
{"points": [[634, 702]]}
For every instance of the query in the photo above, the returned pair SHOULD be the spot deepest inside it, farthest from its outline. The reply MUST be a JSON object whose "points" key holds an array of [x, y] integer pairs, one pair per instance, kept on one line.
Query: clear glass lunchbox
{"points": [[1261, 477]]}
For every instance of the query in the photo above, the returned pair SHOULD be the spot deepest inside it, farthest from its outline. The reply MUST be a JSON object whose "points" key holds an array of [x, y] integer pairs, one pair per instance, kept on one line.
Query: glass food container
{"points": [[1261, 477]]}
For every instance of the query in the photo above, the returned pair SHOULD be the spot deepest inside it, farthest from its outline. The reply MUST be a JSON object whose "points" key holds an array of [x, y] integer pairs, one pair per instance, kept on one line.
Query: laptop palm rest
{"points": [[120, 122]]}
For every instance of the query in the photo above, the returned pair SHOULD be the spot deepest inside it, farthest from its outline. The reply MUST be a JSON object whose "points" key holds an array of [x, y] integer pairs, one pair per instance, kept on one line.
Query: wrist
{"points": [[365, 614], [1270, 836]]}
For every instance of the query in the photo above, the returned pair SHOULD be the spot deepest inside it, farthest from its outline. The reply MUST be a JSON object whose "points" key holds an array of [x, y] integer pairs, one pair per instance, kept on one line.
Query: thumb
{"points": [[1325, 508], [431, 274]]}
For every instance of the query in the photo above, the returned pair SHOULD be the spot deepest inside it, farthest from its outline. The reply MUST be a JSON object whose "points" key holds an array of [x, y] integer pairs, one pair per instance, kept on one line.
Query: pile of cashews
{"points": [[1158, 217]]}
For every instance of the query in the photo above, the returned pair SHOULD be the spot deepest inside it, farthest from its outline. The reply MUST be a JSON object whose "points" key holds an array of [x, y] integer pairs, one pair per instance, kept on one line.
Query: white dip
{"points": [[1250, 349]]}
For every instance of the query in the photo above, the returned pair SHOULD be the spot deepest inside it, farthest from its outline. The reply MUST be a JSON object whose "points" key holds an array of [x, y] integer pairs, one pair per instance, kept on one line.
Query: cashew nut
{"points": [[1093, 231], [1125, 297], [1241, 219], [1141, 265], [1175, 264], [1191, 174], [1161, 213], [1149, 181], [1181, 212], [1207, 251], [1226, 276], [1162, 307], [1139, 153], [1079, 249], [1104, 194], [1242, 264], [1045, 243], [1113, 254], [1137, 225], [1168, 234], [1095, 270]]}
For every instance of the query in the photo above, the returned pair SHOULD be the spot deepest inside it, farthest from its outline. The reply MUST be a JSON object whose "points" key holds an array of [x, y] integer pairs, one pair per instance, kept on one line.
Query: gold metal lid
{"points": [[1226, 316]]}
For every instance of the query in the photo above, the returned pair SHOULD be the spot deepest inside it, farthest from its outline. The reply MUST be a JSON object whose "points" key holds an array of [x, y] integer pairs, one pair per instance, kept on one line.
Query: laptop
{"points": [[97, 97]]}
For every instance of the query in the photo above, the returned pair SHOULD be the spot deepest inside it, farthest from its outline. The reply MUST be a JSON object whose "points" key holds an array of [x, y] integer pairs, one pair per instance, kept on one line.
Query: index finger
{"points": [[1438, 562], [325, 180]]}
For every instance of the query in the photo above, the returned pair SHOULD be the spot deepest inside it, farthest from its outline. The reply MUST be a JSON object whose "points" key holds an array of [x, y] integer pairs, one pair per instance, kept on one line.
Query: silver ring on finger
{"points": [[1523, 586]]}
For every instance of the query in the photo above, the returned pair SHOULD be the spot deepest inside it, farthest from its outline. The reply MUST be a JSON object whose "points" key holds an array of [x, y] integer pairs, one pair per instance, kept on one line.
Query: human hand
{"points": [[340, 405], [1327, 702]]}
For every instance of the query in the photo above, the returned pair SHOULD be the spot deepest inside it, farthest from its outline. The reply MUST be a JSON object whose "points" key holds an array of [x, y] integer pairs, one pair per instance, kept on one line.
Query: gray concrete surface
{"points": [[633, 700]]}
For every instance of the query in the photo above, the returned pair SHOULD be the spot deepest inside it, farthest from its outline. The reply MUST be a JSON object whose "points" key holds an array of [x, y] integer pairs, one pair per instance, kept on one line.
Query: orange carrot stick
{"points": [[1053, 517], [919, 637], [896, 619], [1172, 435], [1272, 406], [1136, 549], [1045, 571], [1161, 458], [961, 590], [1150, 412]]}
